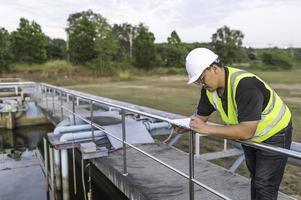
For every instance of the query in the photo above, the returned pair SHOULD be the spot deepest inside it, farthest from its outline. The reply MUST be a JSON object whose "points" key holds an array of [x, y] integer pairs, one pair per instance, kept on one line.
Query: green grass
{"points": [[291, 76]]}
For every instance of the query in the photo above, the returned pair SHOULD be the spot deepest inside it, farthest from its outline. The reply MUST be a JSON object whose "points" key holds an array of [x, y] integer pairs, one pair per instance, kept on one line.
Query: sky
{"points": [[264, 23]]}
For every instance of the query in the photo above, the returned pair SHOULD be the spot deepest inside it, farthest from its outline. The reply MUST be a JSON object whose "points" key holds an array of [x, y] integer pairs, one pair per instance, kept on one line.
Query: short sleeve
{"points": [[249, 105], [204, 107]]}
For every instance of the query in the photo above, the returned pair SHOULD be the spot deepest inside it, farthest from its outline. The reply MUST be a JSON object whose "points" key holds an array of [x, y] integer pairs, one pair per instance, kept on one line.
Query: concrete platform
{"points": [[148, 179], [21, 180]]}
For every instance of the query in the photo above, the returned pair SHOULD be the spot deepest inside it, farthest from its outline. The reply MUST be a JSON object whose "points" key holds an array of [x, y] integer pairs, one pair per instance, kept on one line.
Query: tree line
{"points": [[95, 43]]}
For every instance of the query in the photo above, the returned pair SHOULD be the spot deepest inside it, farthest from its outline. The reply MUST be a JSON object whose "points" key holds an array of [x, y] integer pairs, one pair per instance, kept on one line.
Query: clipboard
{"points": [[183, 122]]}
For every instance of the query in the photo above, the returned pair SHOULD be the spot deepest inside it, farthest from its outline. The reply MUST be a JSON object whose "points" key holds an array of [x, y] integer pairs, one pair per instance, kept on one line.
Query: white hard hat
{"points": [[197, 61]]}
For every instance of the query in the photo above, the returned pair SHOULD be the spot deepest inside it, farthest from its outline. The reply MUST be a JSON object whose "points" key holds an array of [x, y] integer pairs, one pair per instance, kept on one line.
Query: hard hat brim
{"points": [[194, 78]]}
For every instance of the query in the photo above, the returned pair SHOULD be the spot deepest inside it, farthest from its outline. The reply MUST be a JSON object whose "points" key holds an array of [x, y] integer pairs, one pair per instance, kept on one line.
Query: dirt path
{"points": [[295, 87]]}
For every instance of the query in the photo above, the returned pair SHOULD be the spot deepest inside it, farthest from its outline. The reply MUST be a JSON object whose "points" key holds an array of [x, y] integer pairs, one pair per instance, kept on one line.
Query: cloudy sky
{"points": [[264, 22]]}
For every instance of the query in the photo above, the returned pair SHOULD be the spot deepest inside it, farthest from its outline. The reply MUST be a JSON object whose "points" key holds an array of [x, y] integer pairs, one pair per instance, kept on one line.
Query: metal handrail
{"points": [[189, 177], [149, 155], [266, 147], [18, 83], [88, 98]]}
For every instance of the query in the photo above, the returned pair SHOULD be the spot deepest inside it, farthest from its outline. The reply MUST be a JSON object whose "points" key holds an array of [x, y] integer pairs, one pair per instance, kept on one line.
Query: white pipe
{"points": [[80, 135], [57, 166], [152, 126], [57, 163], [63, 129], [65, 175], [64, 156], [52, 174]]}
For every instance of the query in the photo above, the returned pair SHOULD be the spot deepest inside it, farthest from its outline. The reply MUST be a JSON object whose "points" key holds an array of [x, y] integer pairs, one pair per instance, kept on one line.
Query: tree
{"points": [[174, 38], [144, 47], [175, 51], [277, 59], [56, 49], [90, 37], [251, 53], [5, 54], [228, 45], [125, 34], [28, 43], [82, 46]]}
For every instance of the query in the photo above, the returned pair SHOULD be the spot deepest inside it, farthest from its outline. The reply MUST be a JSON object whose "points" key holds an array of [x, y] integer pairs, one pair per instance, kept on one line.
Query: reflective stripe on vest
{"points": [[274, 117]]}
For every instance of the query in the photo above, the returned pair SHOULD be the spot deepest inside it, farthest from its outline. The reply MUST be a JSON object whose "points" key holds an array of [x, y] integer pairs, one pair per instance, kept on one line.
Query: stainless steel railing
{"points": [[92, 99]]}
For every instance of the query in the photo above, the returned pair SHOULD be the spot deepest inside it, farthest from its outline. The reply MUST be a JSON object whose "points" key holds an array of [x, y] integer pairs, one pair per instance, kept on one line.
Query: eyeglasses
{"points": [[200, 80]]}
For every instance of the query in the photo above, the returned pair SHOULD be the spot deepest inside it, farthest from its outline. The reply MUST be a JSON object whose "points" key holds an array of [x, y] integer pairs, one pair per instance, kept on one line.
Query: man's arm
{"points": [[243, 130]]}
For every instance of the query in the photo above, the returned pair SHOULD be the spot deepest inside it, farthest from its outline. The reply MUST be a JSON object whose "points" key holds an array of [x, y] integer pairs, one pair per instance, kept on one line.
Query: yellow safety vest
{"points": [[274, 117]]}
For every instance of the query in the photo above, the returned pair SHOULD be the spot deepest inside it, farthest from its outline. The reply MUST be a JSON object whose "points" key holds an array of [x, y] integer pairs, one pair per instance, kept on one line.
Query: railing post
{"points": [[53, 93], [191, 166], [73, 148], [225, 144], [73, 109], [39, 93], [62, 110], [125, 173], [197, 145], [16, 90], [46, 165], [42, 95], [91, 120], [77, 101], [52, 173], [46, 98]]}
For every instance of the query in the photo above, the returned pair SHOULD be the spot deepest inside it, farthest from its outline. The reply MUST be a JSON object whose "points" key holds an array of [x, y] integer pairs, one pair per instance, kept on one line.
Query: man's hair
{"points": [[218, 63]]}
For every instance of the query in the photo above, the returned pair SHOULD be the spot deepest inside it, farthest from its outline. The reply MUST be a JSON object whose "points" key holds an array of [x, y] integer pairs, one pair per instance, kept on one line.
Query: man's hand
{"points": [[179, 130], [197, 124]]}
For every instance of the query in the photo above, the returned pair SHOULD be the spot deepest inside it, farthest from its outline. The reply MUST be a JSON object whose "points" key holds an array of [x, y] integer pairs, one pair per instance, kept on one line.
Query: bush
{"points": [[274, 60], [108, 68], [50, 69], [122, 75]]}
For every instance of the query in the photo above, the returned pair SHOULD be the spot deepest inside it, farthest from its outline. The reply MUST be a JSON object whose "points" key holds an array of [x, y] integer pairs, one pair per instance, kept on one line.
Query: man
{"points": [[251, 110]]}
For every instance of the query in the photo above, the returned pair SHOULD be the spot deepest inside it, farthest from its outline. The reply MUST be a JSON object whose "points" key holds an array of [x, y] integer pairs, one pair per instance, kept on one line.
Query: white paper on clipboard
{"points": [[184, 122]]}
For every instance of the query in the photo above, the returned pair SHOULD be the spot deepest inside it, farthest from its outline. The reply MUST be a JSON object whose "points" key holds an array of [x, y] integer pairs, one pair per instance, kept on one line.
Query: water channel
{"points": [[15, 143]]}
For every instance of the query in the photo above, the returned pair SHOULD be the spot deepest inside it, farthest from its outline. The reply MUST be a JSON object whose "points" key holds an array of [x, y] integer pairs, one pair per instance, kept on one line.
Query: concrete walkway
{"points": [[149, 180]]}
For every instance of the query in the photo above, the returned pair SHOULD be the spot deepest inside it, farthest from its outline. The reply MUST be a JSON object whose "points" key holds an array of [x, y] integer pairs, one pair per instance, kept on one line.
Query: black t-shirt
{"points": [[251, 98]]}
